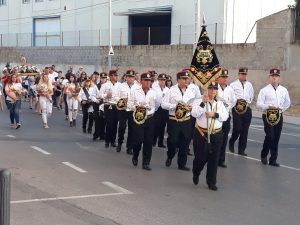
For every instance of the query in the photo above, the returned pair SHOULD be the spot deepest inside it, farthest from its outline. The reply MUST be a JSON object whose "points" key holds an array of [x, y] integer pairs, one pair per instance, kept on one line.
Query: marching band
{"points": [[145, 104]]}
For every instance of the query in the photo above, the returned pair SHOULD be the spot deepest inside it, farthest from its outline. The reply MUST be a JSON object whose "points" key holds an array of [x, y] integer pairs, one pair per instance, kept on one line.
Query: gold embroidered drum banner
{"points": [[273, 116]]}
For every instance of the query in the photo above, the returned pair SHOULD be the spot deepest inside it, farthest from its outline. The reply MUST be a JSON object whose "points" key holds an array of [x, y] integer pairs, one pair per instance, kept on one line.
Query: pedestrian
{"points": [[142, 102], [210, 113], [72, 90], [84, 97], [273, 100], [227, 96], [177, 101], [45, 92], [241, 113], [14, 92]]}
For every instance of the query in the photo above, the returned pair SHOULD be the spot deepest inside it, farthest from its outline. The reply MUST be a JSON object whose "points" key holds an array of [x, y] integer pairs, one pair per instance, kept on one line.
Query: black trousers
{"points": [[125, 117], [271, 139], [202, 156], [100, 122], [143, 135], [111, 115], [87, 118], [225, 129], [241, 124], [178, 137], [160, 120]]}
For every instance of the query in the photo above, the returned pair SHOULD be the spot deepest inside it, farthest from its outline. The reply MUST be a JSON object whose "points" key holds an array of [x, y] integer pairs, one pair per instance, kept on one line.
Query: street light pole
{"points": [[110, 44]]}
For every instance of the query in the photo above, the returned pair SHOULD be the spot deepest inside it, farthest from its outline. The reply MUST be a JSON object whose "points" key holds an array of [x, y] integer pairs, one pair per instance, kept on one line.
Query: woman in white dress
{"points": [[72, 91]]}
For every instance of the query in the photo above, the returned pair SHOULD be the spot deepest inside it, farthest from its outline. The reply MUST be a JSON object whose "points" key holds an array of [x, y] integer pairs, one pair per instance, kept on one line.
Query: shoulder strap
{"points": [[86, 92]]}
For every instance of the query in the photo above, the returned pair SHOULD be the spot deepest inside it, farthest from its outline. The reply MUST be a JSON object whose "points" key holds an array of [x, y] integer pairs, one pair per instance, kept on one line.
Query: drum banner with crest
{"points": [[140, 115], [122, 104], [181, 111], [273, 116], [241, 106], [205, 66]]}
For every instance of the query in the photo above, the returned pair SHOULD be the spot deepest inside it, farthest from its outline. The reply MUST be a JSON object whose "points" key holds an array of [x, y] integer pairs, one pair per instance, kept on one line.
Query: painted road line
{"points": [[251, 140], [117, 188], [64, 198], [40, 150], [288, 134], [81, 146], [10, 136], [258, 160], [74, 167]]}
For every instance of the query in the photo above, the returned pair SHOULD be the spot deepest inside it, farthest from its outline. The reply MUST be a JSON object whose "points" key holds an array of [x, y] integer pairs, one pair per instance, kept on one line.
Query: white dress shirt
{"points": [[194, 88], [82, 97], [124, 91], [227, 95], [160, 92], [173, 96], [110, 87], [269, 96], [243, 91], [138, 97], [199, 113]]}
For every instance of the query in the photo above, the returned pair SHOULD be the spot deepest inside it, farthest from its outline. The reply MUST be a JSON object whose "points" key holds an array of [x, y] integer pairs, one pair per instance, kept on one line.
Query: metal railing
{"points": [[181, 34]]}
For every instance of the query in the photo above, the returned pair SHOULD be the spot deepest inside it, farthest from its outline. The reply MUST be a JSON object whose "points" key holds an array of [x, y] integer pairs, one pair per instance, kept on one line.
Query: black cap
{"points": [[113, 72], [275, 72], [152, 73], [130, 73], [146, 76], [169, 77], [224, 73], [162, 76], [103, 75], [182, 75], [96, 73], [213, 85], [243, 70]]}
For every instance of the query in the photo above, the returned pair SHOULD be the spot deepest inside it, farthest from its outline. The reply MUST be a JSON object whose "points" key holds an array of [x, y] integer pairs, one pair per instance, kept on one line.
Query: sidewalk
{"points": [[286, 118]]}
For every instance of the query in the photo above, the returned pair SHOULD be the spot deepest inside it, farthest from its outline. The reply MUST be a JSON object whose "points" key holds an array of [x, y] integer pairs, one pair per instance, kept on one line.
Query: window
{"points": [[39, 0], [26, 1], [2, 2]]}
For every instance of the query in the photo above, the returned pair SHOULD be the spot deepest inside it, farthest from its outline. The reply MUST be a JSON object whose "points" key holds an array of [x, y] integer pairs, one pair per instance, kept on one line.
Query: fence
{"points": [[123, 36]]}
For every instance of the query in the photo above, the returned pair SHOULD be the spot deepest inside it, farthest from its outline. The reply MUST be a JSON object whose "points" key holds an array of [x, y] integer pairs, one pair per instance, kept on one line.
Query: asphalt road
{"points": [[61, 177]]}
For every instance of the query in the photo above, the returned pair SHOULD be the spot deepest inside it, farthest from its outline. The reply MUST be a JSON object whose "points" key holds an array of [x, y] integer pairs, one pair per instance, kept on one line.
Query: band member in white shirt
{"points": [[109, 94], [161, 115], [98, 107], [273, 99], [241, 112], [142, 102], [124, 113], [178, 102], [84, 97], [210, 113], [227, 96]]}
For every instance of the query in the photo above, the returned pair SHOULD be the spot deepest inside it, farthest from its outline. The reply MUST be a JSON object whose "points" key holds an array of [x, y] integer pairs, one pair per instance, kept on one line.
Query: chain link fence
{"points": [[175, 35]]}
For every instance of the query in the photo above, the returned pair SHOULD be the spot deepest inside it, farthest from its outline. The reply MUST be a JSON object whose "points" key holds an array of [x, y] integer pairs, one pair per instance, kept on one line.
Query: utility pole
{"points": [[110, 44]]}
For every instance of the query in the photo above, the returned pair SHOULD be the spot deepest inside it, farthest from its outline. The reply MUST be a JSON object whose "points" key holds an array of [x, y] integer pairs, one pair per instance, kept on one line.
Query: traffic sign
{"points": [[111, 51]]}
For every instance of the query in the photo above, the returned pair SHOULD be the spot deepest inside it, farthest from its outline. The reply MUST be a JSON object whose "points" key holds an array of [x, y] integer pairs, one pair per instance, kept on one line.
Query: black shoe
{"points": [[264, 161], [84, 130], [161, 146], [119, 147], [195, 179], [74, 123], [129, 151], [213, 187], [231, 147], [89, 131], [242, 153], [106, 145], [168, 162], [134, 161], [113, 145], [71, 124], [94, 138], [102, 138], [223, 165], [189, 153], [184, 168], [274, 164], [146, 167]]}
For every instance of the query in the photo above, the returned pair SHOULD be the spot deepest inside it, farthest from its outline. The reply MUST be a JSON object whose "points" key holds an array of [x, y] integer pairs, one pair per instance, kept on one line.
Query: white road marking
{"points": [[258, 160], [254, 141], [81, 146], [74, 167], [11, 136], [64, 198], [117, 188], [257, 126], [40, 150]]}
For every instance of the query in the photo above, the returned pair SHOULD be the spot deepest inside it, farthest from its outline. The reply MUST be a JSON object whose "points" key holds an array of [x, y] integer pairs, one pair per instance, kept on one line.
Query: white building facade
{"points": [[86, 23]]}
